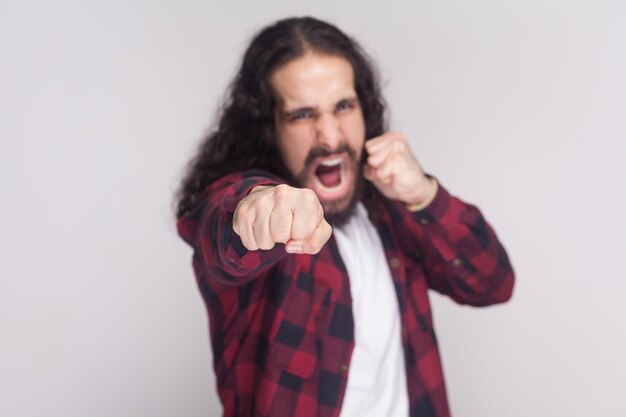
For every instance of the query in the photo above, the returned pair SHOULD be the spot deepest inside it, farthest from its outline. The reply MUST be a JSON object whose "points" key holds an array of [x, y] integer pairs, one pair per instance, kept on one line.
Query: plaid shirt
{"points": [[281, 324]]}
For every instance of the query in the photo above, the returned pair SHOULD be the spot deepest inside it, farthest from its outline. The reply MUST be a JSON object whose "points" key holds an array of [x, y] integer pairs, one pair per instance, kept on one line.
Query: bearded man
{"points": [[316, 236]]}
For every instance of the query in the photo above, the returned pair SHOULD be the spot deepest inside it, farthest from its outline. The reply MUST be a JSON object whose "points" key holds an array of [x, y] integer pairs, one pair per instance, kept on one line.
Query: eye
{"points": [[343, 105], [300, 115]]}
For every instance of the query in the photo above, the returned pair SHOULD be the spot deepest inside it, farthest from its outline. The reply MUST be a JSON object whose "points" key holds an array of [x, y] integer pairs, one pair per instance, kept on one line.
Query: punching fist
{"points": [[281, 214], [394, 170]]}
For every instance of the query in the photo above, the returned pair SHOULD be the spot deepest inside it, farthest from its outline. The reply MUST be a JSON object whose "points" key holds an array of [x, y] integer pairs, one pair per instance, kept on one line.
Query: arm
{"points": [[460, 252], [239, 228], [208, 228]]}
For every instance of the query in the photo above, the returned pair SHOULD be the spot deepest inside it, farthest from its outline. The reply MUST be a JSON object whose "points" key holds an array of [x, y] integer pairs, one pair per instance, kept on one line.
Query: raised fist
{"points": [[394, 170]]}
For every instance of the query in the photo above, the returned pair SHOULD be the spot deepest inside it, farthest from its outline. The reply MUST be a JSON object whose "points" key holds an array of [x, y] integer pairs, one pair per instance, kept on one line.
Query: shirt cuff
{"points": [[236, 192], [437, 208]]}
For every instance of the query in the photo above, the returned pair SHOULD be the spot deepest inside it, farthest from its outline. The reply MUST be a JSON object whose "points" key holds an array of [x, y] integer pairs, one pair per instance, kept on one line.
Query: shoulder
{"points": [[242, 179]]}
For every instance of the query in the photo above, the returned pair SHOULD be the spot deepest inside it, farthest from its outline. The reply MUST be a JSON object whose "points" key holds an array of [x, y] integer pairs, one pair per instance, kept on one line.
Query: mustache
{"points": [[323, 152]]}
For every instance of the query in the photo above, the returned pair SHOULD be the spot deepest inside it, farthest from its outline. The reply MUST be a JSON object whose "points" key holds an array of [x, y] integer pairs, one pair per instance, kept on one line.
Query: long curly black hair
{"points": [[245, 137]]}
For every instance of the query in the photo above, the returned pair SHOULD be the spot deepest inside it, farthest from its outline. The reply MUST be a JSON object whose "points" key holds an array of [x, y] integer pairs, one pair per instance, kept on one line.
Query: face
{"points": [[320, 128]]}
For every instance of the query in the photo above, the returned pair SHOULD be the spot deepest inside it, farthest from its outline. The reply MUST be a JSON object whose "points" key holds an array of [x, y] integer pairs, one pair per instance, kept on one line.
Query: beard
{"points": [[336, 212]]}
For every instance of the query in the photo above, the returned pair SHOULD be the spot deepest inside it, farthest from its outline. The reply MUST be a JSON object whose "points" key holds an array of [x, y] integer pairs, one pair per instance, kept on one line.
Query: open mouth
{"points": [[329, 172], [331, 176]]}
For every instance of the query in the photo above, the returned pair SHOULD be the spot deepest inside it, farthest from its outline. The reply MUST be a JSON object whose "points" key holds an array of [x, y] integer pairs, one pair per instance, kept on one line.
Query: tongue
{"points": [[329, 176]]}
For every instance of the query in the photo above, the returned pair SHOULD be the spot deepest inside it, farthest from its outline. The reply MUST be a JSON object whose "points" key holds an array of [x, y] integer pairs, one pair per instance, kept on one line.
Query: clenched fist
{"points": [[394, 170], [281, 214]]}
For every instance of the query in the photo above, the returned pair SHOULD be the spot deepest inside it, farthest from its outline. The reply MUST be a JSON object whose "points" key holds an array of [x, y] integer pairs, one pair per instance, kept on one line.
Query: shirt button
{"points": [[458, 262], [344, 367], [394, 262], [424, 221]]}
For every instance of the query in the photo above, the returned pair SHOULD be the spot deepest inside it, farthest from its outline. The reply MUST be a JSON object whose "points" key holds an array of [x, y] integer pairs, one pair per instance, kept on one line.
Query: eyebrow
{"points": [[289, 113], [297, 110]]}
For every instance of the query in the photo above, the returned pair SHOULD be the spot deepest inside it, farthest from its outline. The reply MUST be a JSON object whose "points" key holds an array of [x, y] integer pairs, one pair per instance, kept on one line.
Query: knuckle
{"points": [[281, 191], [314, 247], [241, 217], [308, 196], [257, 204], [267, 245], [241, 209], [248, 244], [398, 135], [281, 238], [263, 240]]}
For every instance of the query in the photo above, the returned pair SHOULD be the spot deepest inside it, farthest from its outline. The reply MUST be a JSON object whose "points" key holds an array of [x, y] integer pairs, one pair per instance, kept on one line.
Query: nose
{"points": [[328, 131]]}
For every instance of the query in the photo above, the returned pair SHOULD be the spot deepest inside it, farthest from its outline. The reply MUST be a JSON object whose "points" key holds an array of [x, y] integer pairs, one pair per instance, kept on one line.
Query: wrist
{"points": [[425, 197]]}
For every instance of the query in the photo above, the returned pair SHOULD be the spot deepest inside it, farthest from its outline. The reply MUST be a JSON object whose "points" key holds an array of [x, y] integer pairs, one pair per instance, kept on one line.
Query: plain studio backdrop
{"points": [[517, 106]]}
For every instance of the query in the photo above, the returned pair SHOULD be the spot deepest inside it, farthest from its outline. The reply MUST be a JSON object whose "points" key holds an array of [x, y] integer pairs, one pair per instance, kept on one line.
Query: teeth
{"points": [[332, 162]]}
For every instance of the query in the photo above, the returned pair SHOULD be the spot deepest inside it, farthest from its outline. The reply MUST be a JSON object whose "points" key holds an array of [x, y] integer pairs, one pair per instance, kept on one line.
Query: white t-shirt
{"points": [[377, 376]]}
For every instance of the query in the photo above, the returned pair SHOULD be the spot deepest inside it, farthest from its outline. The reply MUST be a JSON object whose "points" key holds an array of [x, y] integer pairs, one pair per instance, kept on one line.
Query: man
{"points": [[306, 320]]}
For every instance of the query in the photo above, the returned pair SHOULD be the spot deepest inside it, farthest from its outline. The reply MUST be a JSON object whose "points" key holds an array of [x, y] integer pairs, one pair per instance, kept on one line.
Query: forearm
{"points": [[213, 238], [460, 252]]}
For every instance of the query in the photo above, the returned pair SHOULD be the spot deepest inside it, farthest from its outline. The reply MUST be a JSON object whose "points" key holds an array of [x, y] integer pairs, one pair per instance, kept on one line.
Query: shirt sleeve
{"points": [[459, 251], [208, 228]]}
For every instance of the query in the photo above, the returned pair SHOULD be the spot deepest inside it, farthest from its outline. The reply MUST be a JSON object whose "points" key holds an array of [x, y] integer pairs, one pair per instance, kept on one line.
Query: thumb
{"points": [[314, 244]]}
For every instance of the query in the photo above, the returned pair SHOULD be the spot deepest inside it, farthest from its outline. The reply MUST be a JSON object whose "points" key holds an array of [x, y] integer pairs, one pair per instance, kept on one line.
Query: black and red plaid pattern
{"points": [[282, 326]]}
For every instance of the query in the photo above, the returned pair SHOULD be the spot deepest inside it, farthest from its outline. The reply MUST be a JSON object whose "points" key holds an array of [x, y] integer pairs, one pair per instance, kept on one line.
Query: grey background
{"points": [[517, 106]]}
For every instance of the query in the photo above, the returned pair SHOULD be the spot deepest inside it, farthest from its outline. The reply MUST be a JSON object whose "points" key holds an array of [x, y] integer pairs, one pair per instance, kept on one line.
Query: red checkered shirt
{"points": [[281, 324]]}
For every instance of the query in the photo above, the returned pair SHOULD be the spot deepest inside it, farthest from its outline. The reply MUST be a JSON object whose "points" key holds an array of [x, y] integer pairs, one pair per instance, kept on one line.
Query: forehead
{"points": [[313, 80]]}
